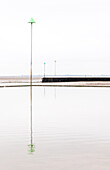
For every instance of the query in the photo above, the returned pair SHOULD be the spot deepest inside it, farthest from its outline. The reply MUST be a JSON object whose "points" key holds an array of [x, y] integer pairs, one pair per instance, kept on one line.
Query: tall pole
{"points": [[31, 22], [55, 66], [44, 68], [31, 84]]}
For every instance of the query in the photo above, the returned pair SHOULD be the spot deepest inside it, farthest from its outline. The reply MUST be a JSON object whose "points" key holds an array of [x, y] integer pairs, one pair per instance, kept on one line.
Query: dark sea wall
{"points": [[74, 79]]}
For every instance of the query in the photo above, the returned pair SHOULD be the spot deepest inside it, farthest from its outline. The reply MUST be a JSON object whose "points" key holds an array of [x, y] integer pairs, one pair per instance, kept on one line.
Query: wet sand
{"points": [[15, 83], [79, 84]]}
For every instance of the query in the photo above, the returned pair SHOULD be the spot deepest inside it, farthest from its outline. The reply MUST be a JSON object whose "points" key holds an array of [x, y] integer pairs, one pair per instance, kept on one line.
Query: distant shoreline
{"points": [[54, 81]]}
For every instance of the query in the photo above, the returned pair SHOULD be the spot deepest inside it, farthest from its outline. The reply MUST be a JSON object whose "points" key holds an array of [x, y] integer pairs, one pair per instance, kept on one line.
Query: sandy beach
{"points": [[26, 83]]}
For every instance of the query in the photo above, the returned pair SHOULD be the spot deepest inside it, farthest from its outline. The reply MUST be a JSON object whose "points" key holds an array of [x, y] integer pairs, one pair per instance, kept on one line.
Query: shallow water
{"points": [[71, 128]]}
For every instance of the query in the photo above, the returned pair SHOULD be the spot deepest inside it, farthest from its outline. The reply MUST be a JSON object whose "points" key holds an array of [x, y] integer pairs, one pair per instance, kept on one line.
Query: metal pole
{"points": [[31, 85], [31, 148], [44, 68], [55, 67]]}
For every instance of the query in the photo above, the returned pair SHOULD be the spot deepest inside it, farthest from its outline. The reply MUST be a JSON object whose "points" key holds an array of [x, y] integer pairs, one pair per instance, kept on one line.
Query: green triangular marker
{"points": [[31, 21]]}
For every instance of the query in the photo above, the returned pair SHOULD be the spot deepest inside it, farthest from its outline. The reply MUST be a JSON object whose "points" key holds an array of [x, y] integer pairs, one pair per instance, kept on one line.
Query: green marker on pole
{"points": [[31, 22]]}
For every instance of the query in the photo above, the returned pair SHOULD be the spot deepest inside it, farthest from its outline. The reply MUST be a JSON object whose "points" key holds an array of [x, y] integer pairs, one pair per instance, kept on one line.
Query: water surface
{"points": [[71, 128]]}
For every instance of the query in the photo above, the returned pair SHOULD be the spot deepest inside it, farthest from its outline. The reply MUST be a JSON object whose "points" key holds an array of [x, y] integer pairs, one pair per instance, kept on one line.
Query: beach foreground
{"points": [[38, 82]]}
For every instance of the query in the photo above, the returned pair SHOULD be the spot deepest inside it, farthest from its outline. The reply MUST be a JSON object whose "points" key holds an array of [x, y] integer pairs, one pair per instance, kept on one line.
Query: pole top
{"points": [[44, 62], [31, 21], [55, 61]]}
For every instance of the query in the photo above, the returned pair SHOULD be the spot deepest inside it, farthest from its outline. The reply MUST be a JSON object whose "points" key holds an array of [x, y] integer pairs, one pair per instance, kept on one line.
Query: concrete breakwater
{"points": [[74, 79]]}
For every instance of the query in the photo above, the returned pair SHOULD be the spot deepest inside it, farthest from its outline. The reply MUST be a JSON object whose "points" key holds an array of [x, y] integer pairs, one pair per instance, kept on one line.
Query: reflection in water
{"points": [[55, 93], [31, 148], [44, 91], [31, 145], [71, 130]]}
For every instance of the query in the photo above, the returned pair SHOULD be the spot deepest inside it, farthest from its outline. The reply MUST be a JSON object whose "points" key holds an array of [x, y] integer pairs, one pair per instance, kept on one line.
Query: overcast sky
{"points": [[75, 33]]}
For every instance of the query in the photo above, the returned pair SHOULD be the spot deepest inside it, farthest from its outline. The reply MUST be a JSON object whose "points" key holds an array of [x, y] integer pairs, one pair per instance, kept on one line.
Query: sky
{"points": [[75, 33]]}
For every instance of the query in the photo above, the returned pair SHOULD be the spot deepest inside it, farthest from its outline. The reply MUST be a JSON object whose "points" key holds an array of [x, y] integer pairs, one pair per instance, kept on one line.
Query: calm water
{"points": [[71, 129]]}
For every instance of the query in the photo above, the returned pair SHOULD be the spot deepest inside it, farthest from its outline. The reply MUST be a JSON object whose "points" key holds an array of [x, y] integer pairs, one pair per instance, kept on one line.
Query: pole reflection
{"points": [[44, 91], [31, 145], [55, 93]]}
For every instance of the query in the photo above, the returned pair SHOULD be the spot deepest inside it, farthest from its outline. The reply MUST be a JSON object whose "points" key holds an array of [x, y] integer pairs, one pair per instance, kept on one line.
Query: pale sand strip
{"points": [[19, 80], [59, 84]]}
